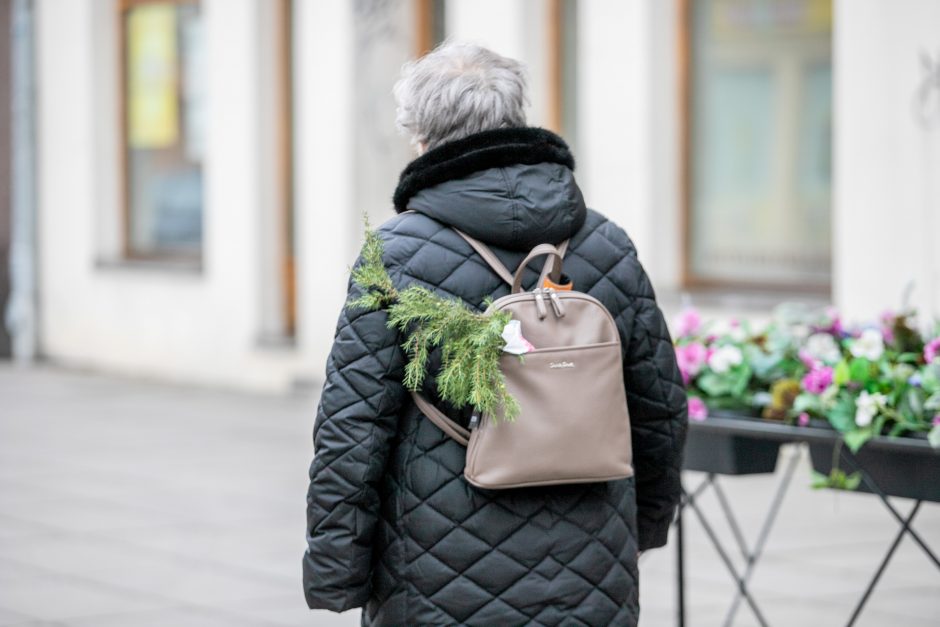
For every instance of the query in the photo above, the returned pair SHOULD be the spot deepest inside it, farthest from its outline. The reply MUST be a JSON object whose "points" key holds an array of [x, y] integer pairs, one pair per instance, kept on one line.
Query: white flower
{"points": [[515, 343], [823, 347], [725, 358], [800, 331], [737, 333], [870, 345], [867, 407]]}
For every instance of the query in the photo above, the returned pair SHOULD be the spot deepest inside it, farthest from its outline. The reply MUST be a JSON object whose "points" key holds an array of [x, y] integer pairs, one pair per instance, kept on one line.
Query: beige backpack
{"points": [[573, 426]]}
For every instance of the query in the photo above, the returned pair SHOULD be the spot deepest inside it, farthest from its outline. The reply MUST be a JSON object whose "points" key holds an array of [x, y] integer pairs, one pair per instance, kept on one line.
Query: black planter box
{"points": [[727, 453], [730, 443], [911, 472]]}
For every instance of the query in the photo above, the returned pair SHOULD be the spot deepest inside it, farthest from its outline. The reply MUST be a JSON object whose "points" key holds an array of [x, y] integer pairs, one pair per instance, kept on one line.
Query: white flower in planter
{"points": [[823, 347], [867, 407], [725, 358], [869, 345]]}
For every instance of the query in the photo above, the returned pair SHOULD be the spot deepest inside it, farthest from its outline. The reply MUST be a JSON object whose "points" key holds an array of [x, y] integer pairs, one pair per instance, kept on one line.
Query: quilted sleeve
{"points": [[355, 424], [658, 415]]}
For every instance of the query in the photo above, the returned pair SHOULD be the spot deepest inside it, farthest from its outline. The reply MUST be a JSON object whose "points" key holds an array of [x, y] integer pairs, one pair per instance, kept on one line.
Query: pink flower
{"points": [[817, 380], [803, 419], [936, 421], [691, 358], [697, 409], [887, 325], [688, 323], [932, 350], [835, 322]]}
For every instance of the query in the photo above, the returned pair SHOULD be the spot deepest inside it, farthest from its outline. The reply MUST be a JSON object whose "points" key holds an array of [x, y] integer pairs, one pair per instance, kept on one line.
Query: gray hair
{"points": [[457, 90]]}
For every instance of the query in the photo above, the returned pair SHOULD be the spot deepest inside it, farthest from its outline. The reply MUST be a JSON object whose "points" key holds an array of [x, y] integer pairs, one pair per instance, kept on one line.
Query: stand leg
{"points": [[680, 570], [769, 520], [870, 483], [741, 583], [884, 563]]}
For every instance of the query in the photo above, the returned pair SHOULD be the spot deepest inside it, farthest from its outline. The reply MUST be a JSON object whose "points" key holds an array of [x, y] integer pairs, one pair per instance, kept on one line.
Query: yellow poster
{"points": [[153, 102]]}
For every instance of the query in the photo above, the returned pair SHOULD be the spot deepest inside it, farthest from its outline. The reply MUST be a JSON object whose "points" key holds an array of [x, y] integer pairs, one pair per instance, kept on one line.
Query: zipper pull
{"points": [[556, 303], [540, 303], [474, 420]]}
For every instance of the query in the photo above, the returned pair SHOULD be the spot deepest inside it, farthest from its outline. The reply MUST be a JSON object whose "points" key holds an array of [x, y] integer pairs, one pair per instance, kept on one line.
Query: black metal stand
{"points": [[906, 529], [752, 556]]}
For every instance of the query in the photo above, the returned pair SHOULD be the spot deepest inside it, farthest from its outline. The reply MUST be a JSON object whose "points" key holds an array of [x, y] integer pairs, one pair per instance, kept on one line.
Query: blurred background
{"points": [[189, 177], [182, 185]]}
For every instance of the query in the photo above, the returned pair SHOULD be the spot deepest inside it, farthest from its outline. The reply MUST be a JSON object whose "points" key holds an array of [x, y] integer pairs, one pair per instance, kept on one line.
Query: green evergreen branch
{"points": [[370, 275], [471, 343]]}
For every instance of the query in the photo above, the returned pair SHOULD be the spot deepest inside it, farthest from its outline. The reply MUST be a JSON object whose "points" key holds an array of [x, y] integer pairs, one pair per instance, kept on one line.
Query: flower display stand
{"points": [[904, 467], [734, 444], [723, 453]]}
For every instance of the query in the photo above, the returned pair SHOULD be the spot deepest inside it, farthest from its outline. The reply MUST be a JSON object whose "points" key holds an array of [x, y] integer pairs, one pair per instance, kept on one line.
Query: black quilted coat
{"points": [[392, 526]]}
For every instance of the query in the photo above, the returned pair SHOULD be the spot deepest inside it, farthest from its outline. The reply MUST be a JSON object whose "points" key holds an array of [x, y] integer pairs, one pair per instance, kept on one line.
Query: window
{"points": [[758, 142], [562, 64], [430, 25], [163, 127]]}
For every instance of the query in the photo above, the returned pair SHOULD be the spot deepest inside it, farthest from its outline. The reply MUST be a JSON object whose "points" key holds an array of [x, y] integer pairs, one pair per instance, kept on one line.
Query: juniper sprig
{"points": [[370, 275], [471, 343]]}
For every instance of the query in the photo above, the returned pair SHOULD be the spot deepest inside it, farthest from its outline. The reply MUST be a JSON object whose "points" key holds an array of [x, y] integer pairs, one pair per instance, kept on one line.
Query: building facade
{"points": [[204, 165]]}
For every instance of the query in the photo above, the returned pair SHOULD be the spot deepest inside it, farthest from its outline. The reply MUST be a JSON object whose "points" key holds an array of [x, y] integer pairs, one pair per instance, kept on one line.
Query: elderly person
{"points": [[392, 525]]}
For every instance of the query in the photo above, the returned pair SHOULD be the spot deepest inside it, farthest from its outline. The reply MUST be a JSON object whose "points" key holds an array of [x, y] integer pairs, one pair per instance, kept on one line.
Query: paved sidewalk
{"points": [[133, 504]]}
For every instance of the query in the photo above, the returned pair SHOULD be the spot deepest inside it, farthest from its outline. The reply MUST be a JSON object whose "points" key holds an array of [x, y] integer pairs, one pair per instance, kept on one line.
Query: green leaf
{"points": [[930, 379], [851, 482], [934, 436], [933, 403], [860, 370], [842, 414], [914, 401], [841, 374], [836, 480], [714, 384], [740, 376], [806, 402], [818, 481], [855, 439]]}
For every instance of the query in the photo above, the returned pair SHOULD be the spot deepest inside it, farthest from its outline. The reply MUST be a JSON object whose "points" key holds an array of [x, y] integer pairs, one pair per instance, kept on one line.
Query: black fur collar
{"points": [[490, 149]]}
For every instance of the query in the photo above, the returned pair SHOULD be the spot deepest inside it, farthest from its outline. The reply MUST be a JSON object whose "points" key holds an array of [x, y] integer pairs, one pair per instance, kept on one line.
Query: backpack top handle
{"points": [[555, 256]]}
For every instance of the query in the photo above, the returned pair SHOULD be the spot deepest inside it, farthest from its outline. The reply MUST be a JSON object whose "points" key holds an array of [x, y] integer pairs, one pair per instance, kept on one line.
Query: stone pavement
{"points": [[125, 503]]}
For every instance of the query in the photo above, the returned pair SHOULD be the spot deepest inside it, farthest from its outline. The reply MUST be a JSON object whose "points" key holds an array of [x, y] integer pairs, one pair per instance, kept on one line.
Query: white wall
{"points": [[326, 229], [188, 325], [514, 28], [627, 124], [887, 166]]}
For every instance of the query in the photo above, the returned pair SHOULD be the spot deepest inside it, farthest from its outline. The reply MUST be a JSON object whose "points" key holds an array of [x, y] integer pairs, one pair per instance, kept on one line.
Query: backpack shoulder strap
{"points": [[488, 256], [499, 268], [435, 415]]}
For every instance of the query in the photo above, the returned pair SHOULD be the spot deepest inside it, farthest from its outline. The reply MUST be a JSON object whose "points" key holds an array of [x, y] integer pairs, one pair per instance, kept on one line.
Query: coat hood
{"points": [[511, 188]]}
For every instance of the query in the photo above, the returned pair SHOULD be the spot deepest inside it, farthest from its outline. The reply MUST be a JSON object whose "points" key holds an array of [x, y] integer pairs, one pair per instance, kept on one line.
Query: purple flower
{"points": [[914, 380], [688, 322], [817, 380], [691, 358], [803, 419], [697, 409], [932, 350]]}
